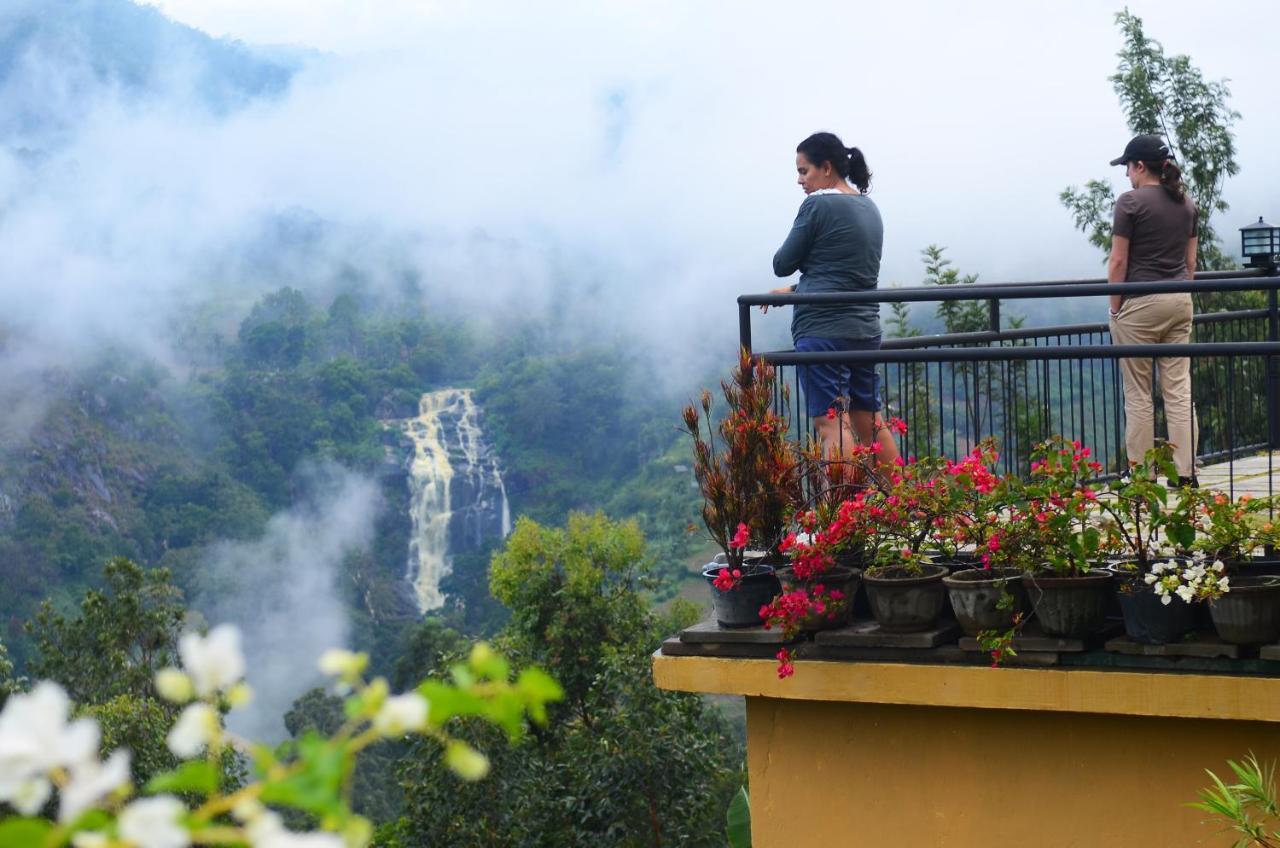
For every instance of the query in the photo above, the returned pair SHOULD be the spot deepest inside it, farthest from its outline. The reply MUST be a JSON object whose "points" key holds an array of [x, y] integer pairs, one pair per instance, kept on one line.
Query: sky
{"points": [[972, 116], [618, 167]]}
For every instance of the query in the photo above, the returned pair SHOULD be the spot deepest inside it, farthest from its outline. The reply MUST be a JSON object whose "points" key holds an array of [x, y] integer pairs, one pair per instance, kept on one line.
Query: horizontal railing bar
{"points": [[1023, 291], [986, 336], [1022, 354]]}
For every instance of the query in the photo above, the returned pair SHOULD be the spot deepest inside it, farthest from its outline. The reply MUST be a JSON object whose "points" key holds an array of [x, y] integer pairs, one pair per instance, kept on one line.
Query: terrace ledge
{"points": [[1233, 697]]}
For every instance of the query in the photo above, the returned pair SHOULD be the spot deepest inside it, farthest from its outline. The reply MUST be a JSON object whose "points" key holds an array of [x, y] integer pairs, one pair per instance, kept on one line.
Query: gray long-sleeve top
{"points": [[835, 244]]}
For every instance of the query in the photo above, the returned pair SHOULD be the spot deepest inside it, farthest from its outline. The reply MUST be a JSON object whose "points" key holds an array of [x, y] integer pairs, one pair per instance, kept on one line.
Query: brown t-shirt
{"points": [[1158, 228]]}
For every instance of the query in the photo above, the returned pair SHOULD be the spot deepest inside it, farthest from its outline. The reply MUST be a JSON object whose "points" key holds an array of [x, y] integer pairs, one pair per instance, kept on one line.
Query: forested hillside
{"points": [[137, 460]]}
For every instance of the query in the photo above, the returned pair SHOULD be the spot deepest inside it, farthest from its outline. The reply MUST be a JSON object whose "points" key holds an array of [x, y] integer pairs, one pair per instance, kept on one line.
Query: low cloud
{"points": [[282, 590]]}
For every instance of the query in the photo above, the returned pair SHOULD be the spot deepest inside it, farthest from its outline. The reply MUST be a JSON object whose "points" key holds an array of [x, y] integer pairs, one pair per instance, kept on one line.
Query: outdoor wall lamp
{"points": [[1260, 244]]}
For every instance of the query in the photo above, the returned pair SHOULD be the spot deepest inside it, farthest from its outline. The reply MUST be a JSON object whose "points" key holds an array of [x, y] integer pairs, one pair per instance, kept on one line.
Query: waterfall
{"points": [[458, 500]]}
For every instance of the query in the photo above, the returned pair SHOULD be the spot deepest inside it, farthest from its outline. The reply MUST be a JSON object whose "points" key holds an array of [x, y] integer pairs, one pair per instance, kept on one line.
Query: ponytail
{"points": [[1170, 178], [859, 174]]}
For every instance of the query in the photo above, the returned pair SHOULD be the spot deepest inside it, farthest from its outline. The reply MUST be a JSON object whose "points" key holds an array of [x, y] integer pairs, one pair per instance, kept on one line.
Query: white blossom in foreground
{"points": [[401, 714], [36, 739], [214, 662], [155, 823], [268, 831], [90, 839], [174, 686], [193, 731], [90, 782]]}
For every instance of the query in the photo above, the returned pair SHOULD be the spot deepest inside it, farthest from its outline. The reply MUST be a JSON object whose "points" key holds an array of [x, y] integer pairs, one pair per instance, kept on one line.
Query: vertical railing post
{"points": [[1273, 374], [744, 328], [993, 314]]}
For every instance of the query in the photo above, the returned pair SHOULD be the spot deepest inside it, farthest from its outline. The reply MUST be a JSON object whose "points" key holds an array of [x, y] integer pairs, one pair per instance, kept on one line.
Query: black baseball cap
{"points": [[1144, 148]]}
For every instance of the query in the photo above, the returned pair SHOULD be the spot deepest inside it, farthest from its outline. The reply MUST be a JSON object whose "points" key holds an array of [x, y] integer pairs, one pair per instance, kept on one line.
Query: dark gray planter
{"points": [[841, 578], [1148, 620], [975, 595], [903, 602], [740, 606], [1248, 614], [1070, 607]]}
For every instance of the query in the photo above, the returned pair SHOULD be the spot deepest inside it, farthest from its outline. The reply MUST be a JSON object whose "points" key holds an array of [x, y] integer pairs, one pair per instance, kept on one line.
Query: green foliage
{"points": [[1248, 806], [738, 820], [139, 723], [1169, 96], [622, 762], [573, 595], [124, 634]]}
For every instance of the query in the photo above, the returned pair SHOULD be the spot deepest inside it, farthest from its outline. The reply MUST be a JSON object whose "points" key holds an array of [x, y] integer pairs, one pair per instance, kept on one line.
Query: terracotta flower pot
{"points": [[903, 601]]}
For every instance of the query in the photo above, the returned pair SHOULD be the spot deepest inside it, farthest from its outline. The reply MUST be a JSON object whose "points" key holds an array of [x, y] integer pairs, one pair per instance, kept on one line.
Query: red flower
{"points": [[727, 580], [898, 426], [785, 666], [741, 538], [831, 413]]}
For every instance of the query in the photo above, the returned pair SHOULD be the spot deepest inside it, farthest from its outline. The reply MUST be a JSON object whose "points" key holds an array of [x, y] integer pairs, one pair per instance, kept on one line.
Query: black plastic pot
{"points": [[1249, 613], [1070, 607], [975, 595], [840, 578], [1148, 619], [906, 602], [740, 606]]}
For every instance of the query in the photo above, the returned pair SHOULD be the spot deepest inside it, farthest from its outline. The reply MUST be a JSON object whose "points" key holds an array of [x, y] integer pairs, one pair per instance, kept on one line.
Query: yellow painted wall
{"points": [[890, 754], [853, 774]]}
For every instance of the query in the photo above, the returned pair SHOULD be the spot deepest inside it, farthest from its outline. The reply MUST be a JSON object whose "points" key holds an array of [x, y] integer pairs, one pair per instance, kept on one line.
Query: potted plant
{"points": [[903, 581], [1138, 515], [1232, 531], [746, 471], [989, 595], [826, 545], [1068, 589]]}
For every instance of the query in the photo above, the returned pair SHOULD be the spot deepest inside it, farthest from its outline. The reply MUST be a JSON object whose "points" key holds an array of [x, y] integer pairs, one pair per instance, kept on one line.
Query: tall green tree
{"points": [[1168, 96], [621, 763], [124, 633]]}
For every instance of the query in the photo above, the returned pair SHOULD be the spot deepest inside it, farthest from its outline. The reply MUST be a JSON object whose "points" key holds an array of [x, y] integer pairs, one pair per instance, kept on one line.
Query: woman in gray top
{"points": [[835, 244]]}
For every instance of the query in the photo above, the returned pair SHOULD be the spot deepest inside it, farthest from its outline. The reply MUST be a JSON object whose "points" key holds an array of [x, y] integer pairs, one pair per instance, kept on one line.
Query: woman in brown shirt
{"points": [[1153, 239]]}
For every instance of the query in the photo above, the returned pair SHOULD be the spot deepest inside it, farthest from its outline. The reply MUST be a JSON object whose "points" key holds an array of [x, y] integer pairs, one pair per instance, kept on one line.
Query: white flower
{"points": [[154, 823], [268, 831], [35, 739], [1218, 566], [215, 662], [174, 686], [1222, 584], [1151, 577], [346, 664], [1186, 593], [90, 782], [401, 714], [90, 839], [193, 731], [27, 796], [1166, 598]]}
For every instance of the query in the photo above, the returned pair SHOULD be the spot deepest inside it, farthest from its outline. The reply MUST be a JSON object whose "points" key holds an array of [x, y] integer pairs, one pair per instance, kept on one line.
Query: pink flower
{"points": [[741, 538]]}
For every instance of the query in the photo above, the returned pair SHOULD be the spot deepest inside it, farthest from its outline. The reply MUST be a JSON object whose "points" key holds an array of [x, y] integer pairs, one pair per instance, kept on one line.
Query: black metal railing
{"points": [[1022, 385]]}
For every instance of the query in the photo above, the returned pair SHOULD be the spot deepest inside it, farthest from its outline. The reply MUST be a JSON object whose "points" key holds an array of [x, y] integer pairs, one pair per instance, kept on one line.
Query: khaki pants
{"points": [[1157, 319]]}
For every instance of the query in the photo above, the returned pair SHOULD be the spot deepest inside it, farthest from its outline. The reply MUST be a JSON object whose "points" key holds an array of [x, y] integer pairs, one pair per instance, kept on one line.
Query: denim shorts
{"points": [[840, 387]]}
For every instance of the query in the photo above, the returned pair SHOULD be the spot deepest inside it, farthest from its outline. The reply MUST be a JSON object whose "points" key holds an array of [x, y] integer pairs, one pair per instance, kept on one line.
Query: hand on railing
{"points": [[783, 290]]}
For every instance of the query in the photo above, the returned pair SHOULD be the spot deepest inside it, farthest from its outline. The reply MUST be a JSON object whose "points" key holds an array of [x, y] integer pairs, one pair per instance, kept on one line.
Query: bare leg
{"points": [[871, 430]]}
